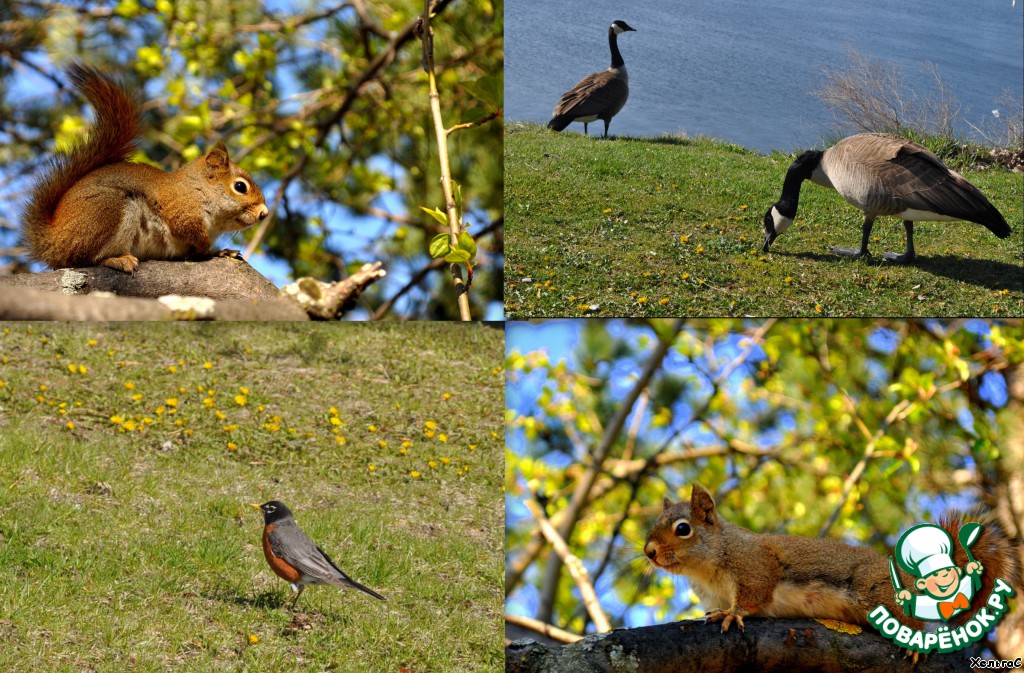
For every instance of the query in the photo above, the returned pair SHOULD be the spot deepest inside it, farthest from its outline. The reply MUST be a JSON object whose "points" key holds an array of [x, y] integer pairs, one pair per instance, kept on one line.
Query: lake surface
{"points": [[743, 71]]}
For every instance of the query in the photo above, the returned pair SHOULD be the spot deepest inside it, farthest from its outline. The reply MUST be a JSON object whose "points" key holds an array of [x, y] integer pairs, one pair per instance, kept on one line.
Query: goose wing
{"points": [[597, 94], [918, 180]]}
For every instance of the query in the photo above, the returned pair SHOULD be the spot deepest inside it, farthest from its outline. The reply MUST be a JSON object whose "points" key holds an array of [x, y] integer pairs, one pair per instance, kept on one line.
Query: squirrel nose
{"points": [[650, 551], [262, 213]]}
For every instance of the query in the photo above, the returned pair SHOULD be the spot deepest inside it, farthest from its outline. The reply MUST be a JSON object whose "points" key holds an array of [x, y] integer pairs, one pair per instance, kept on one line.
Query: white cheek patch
{"points": [[781, 221]]}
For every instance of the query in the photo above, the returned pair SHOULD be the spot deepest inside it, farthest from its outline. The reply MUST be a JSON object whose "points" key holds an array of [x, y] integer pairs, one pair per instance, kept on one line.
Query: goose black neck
{"points": [[613, 44], [801, 169]]}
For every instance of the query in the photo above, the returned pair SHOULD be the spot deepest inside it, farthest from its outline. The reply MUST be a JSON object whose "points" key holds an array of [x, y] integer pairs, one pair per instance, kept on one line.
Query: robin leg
{"points": [[302, 588]]}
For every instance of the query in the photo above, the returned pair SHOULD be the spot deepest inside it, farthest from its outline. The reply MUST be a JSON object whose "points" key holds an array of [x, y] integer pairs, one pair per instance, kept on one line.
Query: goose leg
{"points": [[585, 129], [606, 122], [909, 255], [864, 237]]}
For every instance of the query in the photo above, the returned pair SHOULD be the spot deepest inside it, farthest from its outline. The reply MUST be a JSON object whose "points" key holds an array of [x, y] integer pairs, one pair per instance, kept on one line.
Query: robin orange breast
{"points": [[295, 558]]}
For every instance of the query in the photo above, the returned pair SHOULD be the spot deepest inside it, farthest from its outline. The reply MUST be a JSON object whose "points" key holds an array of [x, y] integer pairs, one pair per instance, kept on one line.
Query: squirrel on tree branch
{"points": [[94, 207], [737, 573]]}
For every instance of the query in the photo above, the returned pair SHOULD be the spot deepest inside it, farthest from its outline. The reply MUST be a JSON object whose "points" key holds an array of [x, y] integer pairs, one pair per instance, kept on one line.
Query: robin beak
{"points": [[255, 506]]}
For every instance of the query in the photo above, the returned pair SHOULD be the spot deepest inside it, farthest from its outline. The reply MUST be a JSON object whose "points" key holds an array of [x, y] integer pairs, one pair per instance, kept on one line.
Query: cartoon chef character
{"points": [[926, 551]]}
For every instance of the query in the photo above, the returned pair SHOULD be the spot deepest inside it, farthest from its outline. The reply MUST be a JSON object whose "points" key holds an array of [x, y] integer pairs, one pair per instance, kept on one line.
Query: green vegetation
{"points": [[669, 226], [129, 456]]}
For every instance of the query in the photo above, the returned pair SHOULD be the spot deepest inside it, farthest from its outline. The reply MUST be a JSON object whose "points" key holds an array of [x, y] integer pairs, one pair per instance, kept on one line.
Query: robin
{"points": [[295, 558]]}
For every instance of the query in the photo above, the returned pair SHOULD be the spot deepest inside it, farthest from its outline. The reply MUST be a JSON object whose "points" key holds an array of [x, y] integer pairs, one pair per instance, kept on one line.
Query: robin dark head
{"points": [[294, 557], [274, 511]]}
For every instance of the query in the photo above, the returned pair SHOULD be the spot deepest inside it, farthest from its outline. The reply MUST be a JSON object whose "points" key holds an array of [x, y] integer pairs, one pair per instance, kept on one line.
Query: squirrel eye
{"points": [[241, 186], [682, 528]]}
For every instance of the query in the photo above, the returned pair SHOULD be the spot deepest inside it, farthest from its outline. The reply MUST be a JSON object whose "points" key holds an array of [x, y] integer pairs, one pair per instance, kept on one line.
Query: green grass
{"points": [[129, 544], [670, 226]]}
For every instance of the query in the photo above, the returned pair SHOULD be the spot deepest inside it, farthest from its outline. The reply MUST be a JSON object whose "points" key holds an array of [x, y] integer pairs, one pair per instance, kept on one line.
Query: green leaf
{"points": [[440, 245], [437, 214], [467, 243], [457, 257]]}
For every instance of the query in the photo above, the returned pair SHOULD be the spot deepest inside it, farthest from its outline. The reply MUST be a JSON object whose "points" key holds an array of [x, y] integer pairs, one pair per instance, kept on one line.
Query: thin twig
{"points": [[454, 225], [543, 628], [575, 566]]}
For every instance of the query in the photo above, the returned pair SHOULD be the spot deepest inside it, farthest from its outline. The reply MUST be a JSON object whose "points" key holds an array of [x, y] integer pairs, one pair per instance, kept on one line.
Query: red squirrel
{"points": [[94, 207], [736, 572]]}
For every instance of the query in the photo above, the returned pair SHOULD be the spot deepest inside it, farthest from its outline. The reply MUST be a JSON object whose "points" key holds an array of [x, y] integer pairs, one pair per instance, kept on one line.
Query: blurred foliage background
{"points": [[855, 429], [325, 103]]}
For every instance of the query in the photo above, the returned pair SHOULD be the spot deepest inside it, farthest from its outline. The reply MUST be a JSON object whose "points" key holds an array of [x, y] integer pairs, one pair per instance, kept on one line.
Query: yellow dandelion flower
{"points": [[91, 342], [260, 408], [642, 300], [43, 388], [442, 438], [172, 369], [472, 447], [171, 401], [220, 415], [208, 402], [684, 239], [414, 474], [339, 440], [207, 365], [243, 390], [129, 385], [129, 425], [371, 428], [253, 639], [429, 434], [431, 464], [69, 425], [333, 411], [241, 400], [136, 397], [230, 428], [371, 468], [446, 460], [446, 396], [817, 308], [403, 452], [382, 444], [430, 425], [232, 446], [406, 444], [336, 421]]}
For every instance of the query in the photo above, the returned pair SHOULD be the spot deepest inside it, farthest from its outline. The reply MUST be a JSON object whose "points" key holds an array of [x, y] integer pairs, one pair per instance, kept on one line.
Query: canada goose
{"points": [[884, 174], [599, 95]]}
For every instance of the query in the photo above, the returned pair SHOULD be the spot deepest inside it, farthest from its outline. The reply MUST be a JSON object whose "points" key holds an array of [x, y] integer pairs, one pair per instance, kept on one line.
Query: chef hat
{"points": [[924, 549]]}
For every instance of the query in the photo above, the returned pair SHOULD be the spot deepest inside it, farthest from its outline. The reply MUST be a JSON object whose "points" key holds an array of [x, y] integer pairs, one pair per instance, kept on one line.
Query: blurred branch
{"points": [[575, 566], [581, 495]]}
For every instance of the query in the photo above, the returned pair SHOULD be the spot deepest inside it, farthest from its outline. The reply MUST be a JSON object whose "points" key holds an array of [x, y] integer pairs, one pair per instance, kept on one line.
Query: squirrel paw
{"points": [[727, 617], [126, 262], [230, 253]]}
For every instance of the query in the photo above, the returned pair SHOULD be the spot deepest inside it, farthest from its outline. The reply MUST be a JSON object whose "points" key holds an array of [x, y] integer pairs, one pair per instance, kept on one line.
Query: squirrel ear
{"points": [[702, 506], [666, 503], [217, 157]]}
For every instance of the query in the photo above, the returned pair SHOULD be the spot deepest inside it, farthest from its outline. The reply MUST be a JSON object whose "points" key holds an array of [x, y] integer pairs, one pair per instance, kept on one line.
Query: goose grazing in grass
{"points": [[599, 95], [883, 174]]}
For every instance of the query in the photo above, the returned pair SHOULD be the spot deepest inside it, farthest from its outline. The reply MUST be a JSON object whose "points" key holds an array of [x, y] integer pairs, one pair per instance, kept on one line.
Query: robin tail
{"points": [[349, 582]]}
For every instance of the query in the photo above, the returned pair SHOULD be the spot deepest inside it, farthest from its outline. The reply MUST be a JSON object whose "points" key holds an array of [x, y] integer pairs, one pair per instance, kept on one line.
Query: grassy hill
{"points": [[670, 226], [129, 456]]}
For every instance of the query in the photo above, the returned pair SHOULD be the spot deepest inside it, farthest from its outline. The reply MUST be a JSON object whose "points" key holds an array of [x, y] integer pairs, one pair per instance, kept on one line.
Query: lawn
{"points": [[130, 455], [671, 226]]}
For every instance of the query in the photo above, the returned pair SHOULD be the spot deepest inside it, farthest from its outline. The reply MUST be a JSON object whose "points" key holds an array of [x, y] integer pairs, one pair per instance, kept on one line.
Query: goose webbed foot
{"points": [[898, 259]]}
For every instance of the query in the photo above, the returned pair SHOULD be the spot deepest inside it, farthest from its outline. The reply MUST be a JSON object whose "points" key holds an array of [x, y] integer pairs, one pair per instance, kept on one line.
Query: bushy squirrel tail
{"points": [[113, 138], [998, 553]]}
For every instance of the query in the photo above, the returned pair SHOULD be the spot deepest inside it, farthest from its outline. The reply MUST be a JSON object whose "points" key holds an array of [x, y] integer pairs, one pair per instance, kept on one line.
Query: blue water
{"points": [[743, 71]]}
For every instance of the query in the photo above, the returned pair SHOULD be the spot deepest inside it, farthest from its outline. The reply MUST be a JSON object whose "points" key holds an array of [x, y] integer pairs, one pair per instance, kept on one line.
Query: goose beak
{"points": [[769, 228]]}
